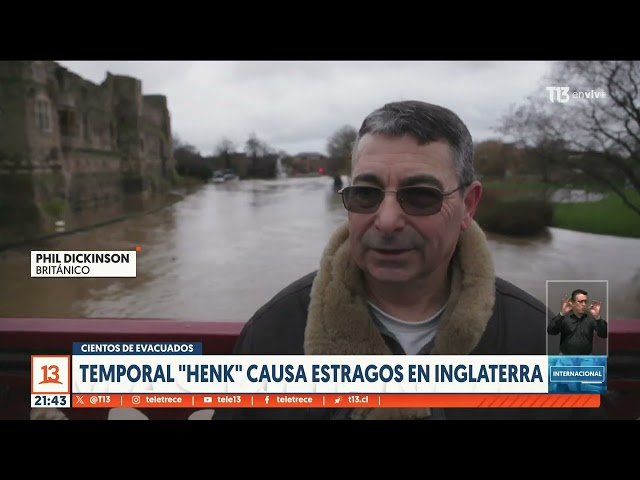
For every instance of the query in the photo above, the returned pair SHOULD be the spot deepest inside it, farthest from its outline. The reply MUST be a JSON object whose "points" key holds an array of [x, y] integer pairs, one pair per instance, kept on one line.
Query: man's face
{"points": [[580, 304], [390, 245]]}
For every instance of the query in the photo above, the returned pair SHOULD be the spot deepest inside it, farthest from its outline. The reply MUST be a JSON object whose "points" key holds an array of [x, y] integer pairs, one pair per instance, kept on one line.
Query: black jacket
{"points": [[325, 312], [576, 333]]}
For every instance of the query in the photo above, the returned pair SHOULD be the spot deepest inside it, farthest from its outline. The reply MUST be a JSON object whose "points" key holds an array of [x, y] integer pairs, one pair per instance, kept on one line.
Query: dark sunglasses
{"points": [[418, 200]]}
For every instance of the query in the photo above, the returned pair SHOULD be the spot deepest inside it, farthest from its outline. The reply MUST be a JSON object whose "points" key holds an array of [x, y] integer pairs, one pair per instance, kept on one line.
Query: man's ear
{"points": [[472, 196]]}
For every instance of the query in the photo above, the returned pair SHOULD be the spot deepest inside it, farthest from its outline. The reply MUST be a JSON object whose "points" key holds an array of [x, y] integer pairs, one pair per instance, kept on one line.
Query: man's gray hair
{"points": [[426, 123]]}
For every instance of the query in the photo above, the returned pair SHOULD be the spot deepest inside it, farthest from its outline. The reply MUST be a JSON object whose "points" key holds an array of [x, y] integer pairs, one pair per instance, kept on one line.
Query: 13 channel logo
{"points": [[563, 94], [50, 381], [50, 374]]}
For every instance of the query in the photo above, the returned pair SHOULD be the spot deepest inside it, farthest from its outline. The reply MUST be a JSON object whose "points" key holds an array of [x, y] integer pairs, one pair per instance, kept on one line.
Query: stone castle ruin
{"points": [[67, 144]]}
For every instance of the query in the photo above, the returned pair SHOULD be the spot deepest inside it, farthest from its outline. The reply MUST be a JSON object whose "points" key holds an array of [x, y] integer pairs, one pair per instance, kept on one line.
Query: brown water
{"points": [[223, 251]]}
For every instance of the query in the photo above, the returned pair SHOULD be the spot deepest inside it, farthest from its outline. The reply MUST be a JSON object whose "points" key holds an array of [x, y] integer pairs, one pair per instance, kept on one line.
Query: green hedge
{"points": [[506, 214]]}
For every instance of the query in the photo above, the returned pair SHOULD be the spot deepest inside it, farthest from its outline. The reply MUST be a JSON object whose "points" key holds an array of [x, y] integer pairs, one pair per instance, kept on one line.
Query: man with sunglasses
{"points": [[409, 273], [576, 323]]}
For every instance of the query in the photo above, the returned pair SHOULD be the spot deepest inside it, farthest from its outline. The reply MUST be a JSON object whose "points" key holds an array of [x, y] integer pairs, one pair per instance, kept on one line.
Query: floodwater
{"points": [[224, 250]]}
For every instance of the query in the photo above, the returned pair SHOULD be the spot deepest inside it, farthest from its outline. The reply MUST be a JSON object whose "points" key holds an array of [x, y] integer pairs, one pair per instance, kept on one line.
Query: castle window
{"points": [[68, 123], [42, 115]]}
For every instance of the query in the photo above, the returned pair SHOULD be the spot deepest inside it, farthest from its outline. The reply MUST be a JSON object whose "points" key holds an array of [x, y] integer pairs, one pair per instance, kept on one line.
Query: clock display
{"points": [[50, 401]]}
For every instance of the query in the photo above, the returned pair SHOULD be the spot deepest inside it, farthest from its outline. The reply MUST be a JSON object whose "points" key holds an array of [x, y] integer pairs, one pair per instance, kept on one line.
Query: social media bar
{"points": [[342, 400]]}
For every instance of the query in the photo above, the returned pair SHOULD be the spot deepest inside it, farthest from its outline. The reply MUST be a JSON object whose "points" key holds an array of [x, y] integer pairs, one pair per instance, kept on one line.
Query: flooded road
{"points": [[224, 250]]}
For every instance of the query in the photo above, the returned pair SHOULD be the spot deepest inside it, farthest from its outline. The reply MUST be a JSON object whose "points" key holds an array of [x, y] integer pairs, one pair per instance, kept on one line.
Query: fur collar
{"points": [[339, 322]]}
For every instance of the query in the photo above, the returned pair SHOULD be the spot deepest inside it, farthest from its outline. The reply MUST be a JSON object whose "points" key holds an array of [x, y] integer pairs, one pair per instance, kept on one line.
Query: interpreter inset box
{"points": [[578, 317]]}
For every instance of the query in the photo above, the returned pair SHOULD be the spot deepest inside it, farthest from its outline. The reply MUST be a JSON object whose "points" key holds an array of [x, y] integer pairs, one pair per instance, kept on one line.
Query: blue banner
{"points": [[577, 374]]}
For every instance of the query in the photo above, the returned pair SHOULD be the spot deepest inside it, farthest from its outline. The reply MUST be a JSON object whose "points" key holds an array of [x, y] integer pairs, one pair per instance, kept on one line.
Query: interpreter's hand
{"points": [[566, 306], [594, 308]]}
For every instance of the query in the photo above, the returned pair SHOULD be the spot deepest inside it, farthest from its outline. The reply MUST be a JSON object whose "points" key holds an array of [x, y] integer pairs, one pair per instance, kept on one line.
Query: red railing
{"points": [[22, 337]]}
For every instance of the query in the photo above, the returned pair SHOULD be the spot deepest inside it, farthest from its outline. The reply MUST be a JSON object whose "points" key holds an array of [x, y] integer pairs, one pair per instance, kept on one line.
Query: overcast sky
{"points": [[296, 106]]}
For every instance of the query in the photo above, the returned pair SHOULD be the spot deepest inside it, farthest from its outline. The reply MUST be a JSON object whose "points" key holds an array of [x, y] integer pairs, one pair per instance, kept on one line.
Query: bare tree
{"points": [[183, 149], [535, 130], [189, 161], [263, 160], [224, 149], [586, 117], [256, 148], [339, 148]]}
